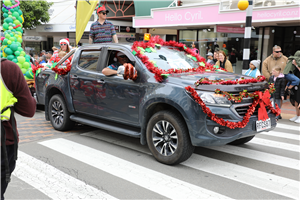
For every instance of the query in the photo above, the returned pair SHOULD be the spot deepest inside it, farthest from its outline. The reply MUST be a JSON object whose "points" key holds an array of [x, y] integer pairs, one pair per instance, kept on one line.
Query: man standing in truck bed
{"points": [[102, 31]]}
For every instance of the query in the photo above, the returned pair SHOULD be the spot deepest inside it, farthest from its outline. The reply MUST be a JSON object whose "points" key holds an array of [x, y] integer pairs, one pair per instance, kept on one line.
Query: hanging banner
{"points": [[84, 12]]}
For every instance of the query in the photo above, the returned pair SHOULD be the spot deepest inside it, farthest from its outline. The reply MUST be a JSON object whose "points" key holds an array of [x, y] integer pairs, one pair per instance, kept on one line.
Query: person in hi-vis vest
{"points": [[15, 96]]}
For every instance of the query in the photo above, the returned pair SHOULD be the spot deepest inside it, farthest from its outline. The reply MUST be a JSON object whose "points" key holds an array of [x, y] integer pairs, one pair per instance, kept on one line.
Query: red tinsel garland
{"points": [[227, 123], [62, 71], [34, 68], [206, 81]]}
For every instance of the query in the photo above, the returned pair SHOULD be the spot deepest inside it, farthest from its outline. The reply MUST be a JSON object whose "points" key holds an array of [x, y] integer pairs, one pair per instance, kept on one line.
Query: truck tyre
{"points": [[168, 138], [242, 140], [59, 114]]}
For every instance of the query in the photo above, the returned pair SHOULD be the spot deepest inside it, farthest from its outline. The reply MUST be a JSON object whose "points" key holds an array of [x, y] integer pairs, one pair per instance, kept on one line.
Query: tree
{"points": [[34, 12]]}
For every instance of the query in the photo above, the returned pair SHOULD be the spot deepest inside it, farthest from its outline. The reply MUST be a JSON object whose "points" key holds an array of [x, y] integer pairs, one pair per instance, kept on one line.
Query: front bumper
{"points": [[226, 134]]}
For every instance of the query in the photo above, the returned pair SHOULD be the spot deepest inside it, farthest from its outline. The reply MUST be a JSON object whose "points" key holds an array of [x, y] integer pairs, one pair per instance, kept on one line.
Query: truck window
{"points": [[88, 59]]}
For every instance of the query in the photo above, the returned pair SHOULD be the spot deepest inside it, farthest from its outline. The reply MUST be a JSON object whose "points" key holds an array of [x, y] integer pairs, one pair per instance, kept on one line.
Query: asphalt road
{"points": [[89, 163]]}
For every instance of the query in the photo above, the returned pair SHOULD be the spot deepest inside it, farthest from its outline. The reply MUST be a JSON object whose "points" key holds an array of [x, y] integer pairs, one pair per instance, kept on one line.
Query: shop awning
{"points": [[143, 8]]}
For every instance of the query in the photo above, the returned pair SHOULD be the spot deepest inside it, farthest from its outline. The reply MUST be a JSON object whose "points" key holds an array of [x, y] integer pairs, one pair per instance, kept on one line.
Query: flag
{"points": [[84, 12]]}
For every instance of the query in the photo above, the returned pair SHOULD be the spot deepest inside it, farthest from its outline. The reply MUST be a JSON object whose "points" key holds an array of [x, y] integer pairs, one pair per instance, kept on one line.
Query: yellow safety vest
{"points": [[7, 100]]}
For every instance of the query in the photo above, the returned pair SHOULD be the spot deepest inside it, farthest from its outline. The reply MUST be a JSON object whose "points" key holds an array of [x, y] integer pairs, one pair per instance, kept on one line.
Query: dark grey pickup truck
{"points": [[163, 115]]}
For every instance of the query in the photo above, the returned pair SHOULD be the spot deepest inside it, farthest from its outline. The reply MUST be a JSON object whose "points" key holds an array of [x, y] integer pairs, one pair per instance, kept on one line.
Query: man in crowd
{"points": [[210, 58], [43, 56], [15, 97], [275, 59], [102, 31]]}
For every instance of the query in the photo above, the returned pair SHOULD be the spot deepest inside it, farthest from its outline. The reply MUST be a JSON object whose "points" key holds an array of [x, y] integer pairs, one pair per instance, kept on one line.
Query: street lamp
{"points": [[243, 5]]}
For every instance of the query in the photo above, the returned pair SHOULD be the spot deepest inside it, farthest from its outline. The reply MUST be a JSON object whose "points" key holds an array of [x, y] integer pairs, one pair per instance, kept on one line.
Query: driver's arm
{"points": [[107, 71]]}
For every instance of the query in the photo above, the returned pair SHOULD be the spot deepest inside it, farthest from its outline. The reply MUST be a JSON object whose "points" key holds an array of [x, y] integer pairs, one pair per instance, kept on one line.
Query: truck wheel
{"points": [[168, 138], [59, 114], [242, 140]]}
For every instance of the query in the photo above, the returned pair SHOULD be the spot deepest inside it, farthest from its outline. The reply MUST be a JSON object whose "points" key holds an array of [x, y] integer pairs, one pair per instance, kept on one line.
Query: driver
{"points": [[112, 69]]}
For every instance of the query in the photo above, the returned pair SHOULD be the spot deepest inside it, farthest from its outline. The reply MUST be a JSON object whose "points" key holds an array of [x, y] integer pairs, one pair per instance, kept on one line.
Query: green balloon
{"points": [[14, 47], [15, 60], [23, 70], [15, 14], [5, 41], [8, 20], [20, 49], [17, 22], [29, 74], [22, 53], [8, 41], [20, 19], [8, 51], [12, 39], [10, 57], [21, 59], [26, 65], [7, 2], [4, 10], [5, 26], [20, 12], [20, 65], [17, 53], [27, 56], [19, 44], [7, 36], [20, 40]]}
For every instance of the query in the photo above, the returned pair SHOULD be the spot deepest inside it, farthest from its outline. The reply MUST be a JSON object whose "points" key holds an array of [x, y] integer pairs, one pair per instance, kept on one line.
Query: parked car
{"points": [[163, 115]]}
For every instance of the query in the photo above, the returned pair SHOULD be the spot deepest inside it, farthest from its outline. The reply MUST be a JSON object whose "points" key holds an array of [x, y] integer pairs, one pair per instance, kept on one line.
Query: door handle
{"points": [[74, 76], [100, 81]]}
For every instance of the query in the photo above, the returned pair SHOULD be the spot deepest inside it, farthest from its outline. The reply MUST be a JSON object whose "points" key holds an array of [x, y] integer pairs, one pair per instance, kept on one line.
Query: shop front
{"points": [[212, 27]]}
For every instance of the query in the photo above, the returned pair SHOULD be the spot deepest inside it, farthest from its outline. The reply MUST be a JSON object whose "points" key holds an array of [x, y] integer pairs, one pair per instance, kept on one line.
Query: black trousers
{"points": [[12, 165]]}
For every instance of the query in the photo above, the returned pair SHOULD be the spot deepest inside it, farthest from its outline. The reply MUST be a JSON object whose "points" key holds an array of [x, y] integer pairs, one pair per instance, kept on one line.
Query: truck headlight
{"points": [[214, 99]]}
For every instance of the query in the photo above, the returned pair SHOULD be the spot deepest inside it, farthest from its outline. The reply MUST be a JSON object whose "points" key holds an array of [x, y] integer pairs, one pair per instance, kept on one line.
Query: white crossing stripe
{"points": [[260, 156], [288, 127], [255, 178], [53, 182], [154, 181], [281, 135], [274, 144]]}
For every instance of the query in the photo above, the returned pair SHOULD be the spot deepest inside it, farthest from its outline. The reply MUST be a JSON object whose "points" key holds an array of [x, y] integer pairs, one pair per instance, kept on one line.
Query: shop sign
{"points": [[229, 29], [48, 28], [72, 27], [127, 29], [117, 28], [34, 38]]}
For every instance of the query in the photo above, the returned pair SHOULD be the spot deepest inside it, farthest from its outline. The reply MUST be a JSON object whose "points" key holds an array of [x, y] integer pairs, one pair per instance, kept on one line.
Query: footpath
{"points": [[287, 110]]}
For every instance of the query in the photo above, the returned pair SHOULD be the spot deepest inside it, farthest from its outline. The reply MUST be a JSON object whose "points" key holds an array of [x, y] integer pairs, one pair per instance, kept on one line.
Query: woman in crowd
{"points": [[223, 62], [64, 46]]}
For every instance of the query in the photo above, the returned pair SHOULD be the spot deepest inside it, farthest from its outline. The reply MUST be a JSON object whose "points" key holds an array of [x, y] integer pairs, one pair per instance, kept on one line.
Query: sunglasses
{"points": [[277, 51], [123, 56], [103, 13], [63, 44]]}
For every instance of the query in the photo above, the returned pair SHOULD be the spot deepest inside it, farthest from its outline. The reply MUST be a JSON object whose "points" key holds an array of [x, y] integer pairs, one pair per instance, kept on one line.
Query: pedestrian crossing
{"points": [[274, 177]]}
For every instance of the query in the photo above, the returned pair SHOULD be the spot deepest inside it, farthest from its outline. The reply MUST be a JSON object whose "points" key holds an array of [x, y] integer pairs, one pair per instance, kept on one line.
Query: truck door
{"points": [[121, 101], [83, 82]]}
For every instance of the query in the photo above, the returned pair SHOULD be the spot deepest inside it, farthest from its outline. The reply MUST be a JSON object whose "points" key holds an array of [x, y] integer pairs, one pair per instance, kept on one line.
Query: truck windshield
{"points": [[170, 57]]}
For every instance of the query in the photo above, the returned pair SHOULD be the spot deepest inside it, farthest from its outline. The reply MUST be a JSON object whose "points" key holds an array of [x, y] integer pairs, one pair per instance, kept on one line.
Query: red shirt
{"points": [[16, 83]]}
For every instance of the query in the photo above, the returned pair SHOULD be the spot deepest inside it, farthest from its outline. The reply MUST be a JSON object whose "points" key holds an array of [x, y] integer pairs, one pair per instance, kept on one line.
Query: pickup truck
{"points": [[163, 115]]}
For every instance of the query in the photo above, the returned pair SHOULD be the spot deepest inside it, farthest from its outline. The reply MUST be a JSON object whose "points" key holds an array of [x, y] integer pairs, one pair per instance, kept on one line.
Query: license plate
{"points": [[263, 125]]}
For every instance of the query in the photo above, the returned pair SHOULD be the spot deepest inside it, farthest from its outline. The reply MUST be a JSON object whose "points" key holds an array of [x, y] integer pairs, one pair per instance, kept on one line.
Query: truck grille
{"points": [[242, 110]]}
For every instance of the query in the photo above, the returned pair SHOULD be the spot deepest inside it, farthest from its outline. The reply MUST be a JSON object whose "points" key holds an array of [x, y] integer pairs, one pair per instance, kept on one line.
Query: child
{"points": [[61, 55], [253, 69], [279, 82]]}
